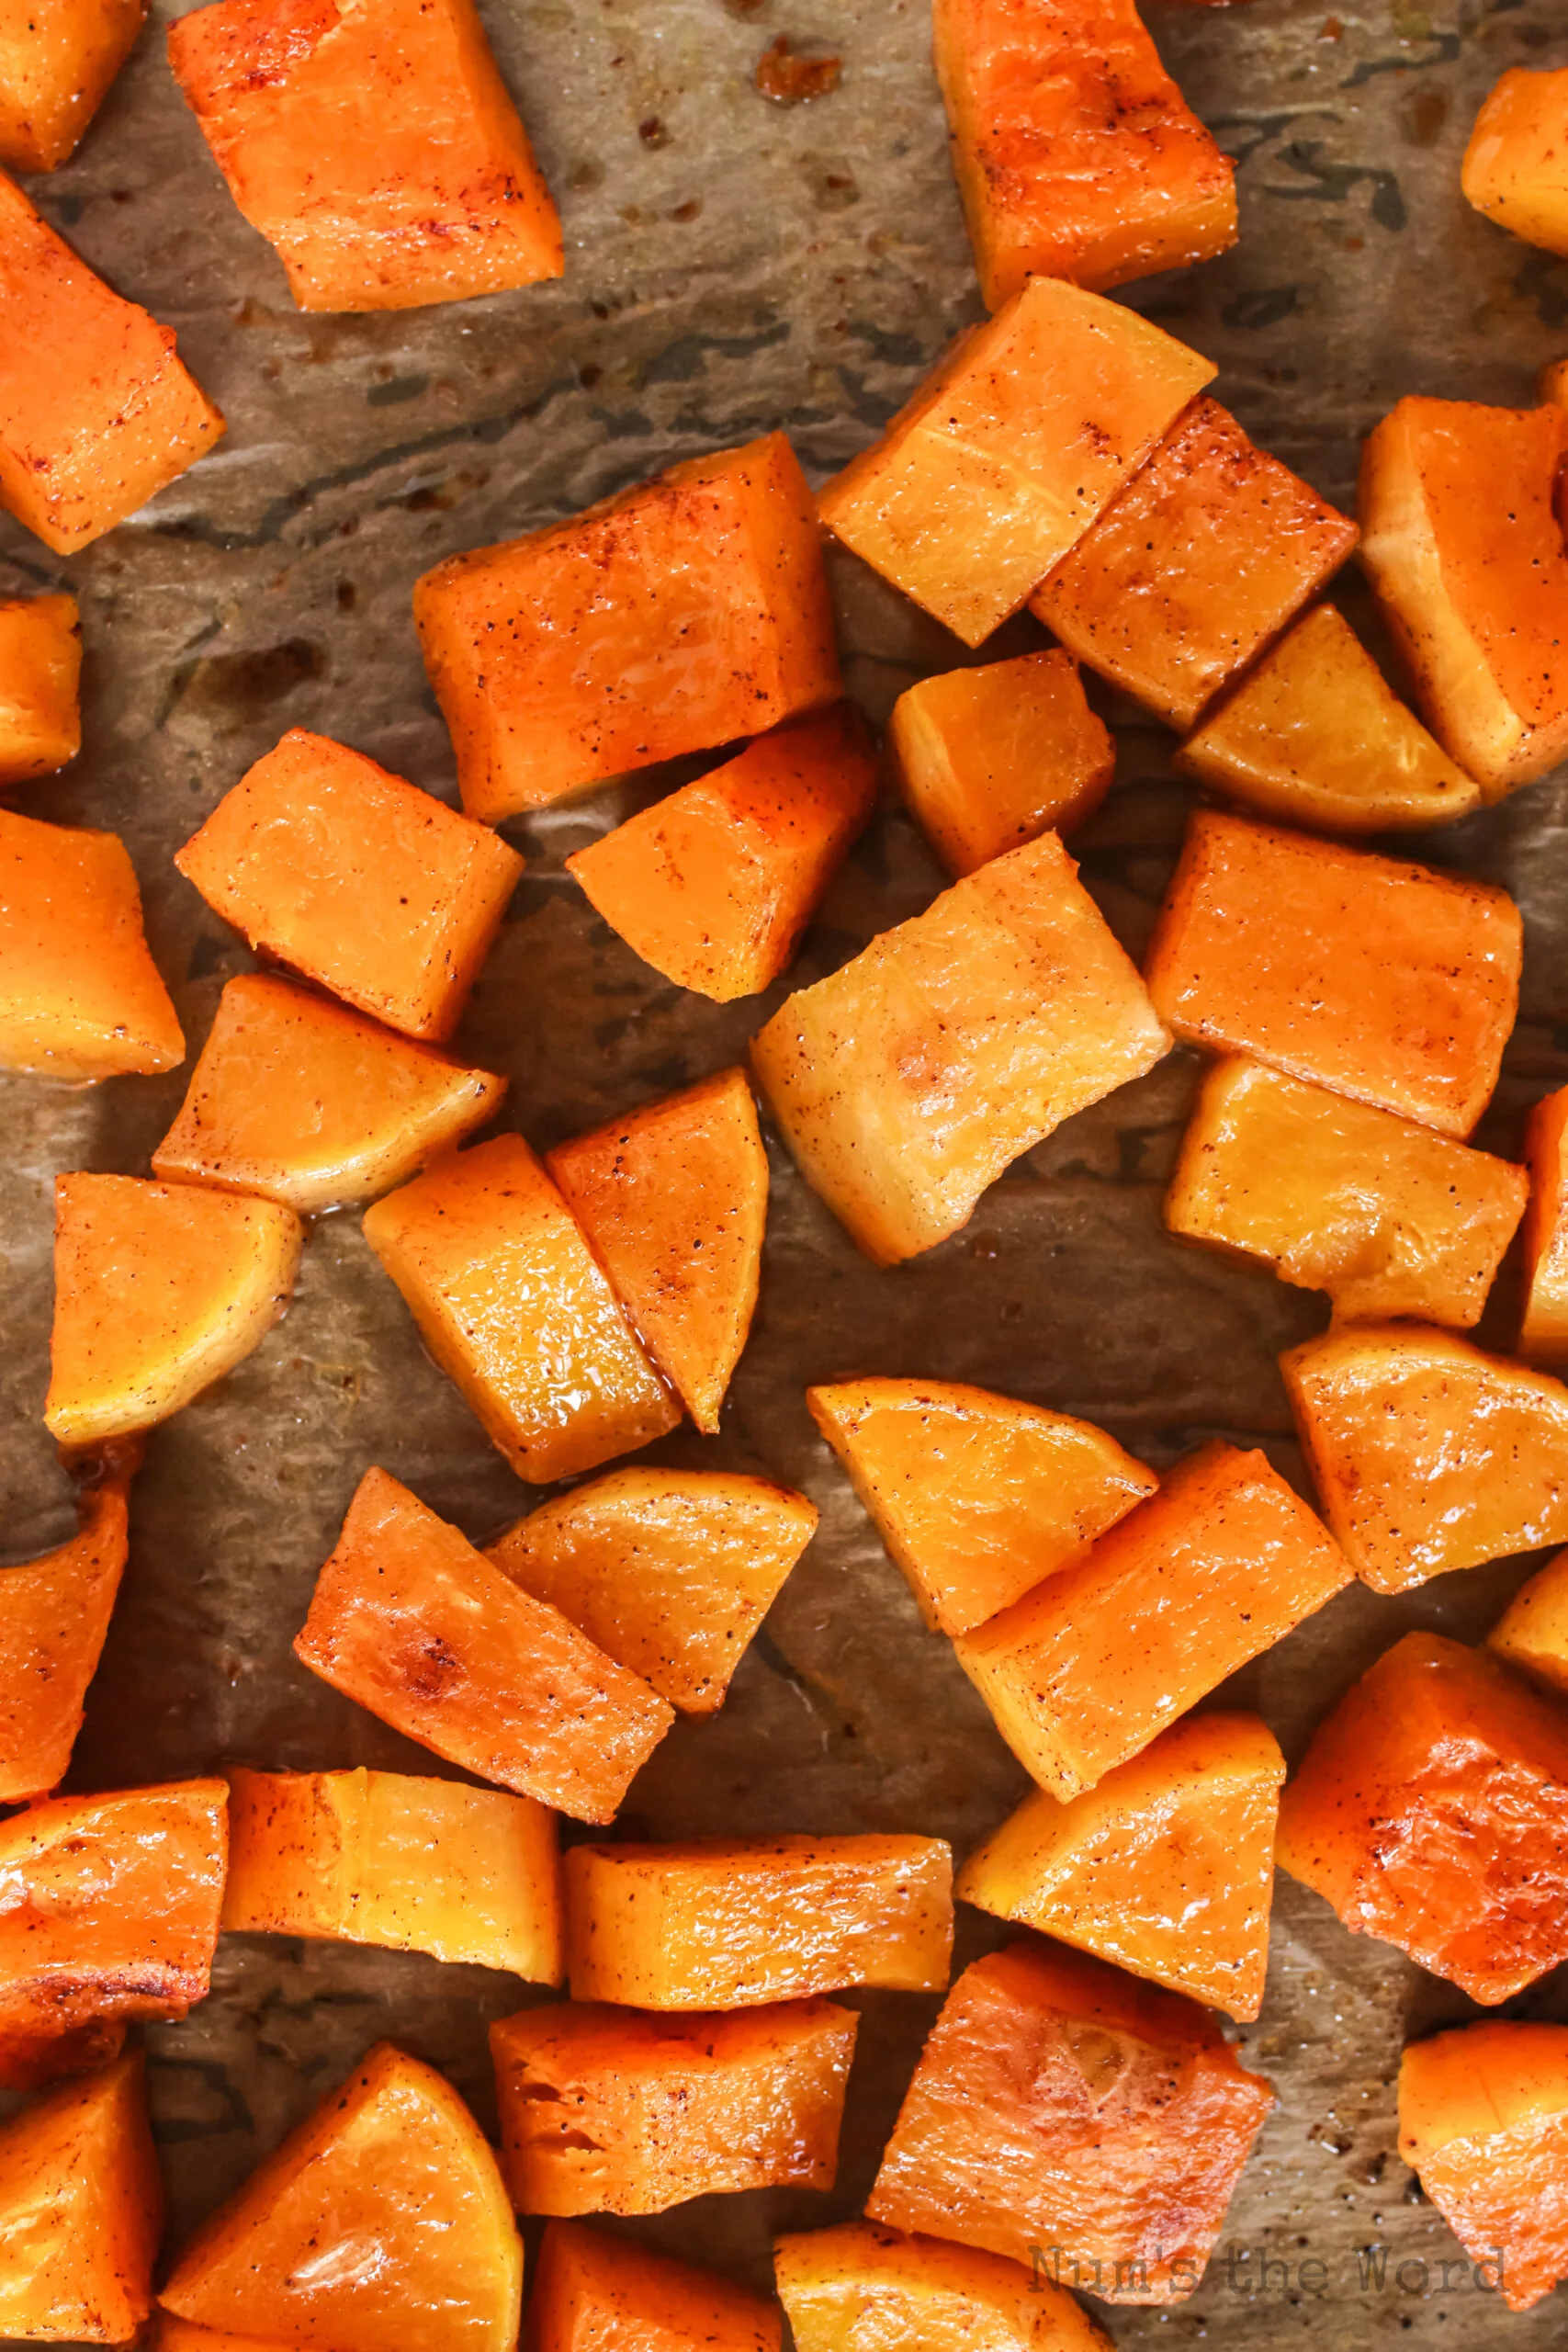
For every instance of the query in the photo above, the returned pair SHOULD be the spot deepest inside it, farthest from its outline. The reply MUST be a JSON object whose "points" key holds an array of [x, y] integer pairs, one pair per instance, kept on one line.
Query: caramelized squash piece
{"points": [[516, 1309], [1428, 1456], [715, 885], [1077, 155], [1532, 1632], [360, 880], [54, 1614], [592, 2291], [1515, 166], [375, 147], [80, 995], [990, 757], [81, 2211], [1314, 735], [724, 1923], [416, 1865], [380, 2225], [861, 2286], [1483, 2120], [1058, 2103], [159, 1290], [171, 2335], [57, 61], [1462, 545], [40, 665], [108, 1912], [1205, 556], [411, 1621], [907, 1081], [96, 412], [978, 1497], [689, 611], [1384, 1216], [1395, 984], [1212, 1570], [1431, 1809], [1543, 1332], [1165, 1868], [1003, 457], [605, 2110], [670, 1571]]}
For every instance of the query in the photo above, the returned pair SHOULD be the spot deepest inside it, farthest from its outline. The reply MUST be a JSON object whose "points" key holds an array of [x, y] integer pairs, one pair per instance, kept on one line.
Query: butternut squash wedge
{"points": [[1516, 165], [41, 666], [1532, 1632], [860, 2284], [80, 995], [57, 61], [1483, 2122], [1543, 1331], [81, 2211], [54, 1614], [591, 2288]]}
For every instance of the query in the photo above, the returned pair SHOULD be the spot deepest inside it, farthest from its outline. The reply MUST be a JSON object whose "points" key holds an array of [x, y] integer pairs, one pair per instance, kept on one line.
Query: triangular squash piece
{"points": [[81, 2212], [674, 1199], [1166, 1867], [380, 2225], [54, 1613]]}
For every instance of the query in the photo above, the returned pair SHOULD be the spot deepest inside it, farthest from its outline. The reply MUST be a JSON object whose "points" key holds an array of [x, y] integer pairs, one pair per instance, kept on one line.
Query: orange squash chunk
{"points": [[990, 757], [978, 1497], [1431, 1809], [411, 1621], [1058, 2103], [360, 880], [171, 2335], [302, 1102], [375, 147], [380, 1858], [592, 2291], [380, 2225], [516, 1309], [1165, 1868], [1465, 552], [81, 2211], [1392, 983], [57, 61], [80, 995], [670, 1571], [1077, 155], [1004, 457], [54, 1614], [908, 1080], [40, 665], [1384, 1216], [95, 411], [1483, 2120], [1532, 1632], [689, 611], [724, 1923], [605, 2110], [159, 1290], [1426, 1453], [1205, 556], [715, 885], [1515, 166], [1212, 1570], [860, 2285], [110, 1913], [1543, 1333]]}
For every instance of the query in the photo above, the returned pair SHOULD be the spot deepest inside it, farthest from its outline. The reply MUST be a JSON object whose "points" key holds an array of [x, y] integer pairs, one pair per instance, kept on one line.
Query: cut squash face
{"points": [[81, 2211], [1483, 2122], [57, 59], [1532, 1632], [80, 995], [1514, 167], [40, 658], [1543, 1333], [380, 2225], [593, 2290], [54, 1614], [860, 2287], [171, 2335]]}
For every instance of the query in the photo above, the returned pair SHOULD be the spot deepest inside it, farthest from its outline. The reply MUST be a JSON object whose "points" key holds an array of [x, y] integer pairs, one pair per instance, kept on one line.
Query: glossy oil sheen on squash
{"points": [[81, 2211], [57, 61], [1543, 1331], [1516, 165], [1483, 2123], [54, 1614], [593, 2293], [860, 2287], [41, 667], [80, 995]]}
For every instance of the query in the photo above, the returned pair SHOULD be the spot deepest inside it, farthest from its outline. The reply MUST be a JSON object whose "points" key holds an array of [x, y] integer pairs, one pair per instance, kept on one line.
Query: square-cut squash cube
{"points": [[54, 1614], [1060, 2104], [1543, 1333], [591, 2289], [908, 1080], [685, 613], [80, 995], [1483, 2123], [1205, 556], [1002, 459], [1384, 1216], [41, 667], [1515, 166], [1532, 1632], [57, 59], [1395, 984], [81, 2211], [861, 2284]]}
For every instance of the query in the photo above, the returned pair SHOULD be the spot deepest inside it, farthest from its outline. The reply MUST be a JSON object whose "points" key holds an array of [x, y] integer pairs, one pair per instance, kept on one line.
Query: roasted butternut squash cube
{"points": [[605, 2110], [1004, 457], [591, 2288], [516, 1309], [379, 1858], [907, 1081], [1515, 166], [96, 412], [111, 1914], [1483, 2122], [159, 1290], [687, 612], [54, 1614], [57, 61], [670, 1571], [376, 148], [986, 758], [81, 2211], [381, 2224], [362, 882], [1543, 1332], [1426, 1453], [1060, 2103], [1462, 545], [1204, 556], [1384, 1216], [726, 1923], [1532, 1632], [860, 2284], [1395, 984], [171, 2335], [80, 995], [40, 665], [1430, 1811], [978, 1497], [1077, 155]]}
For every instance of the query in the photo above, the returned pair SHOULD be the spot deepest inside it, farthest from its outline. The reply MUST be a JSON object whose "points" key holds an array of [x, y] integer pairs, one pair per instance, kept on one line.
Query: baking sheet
{"points": [[733, 265]]}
